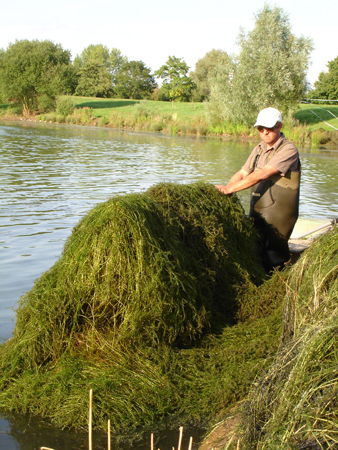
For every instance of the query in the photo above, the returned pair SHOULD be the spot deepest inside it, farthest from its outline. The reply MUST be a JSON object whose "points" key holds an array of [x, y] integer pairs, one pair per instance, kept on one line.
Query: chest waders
{"points": [[274, 205]]}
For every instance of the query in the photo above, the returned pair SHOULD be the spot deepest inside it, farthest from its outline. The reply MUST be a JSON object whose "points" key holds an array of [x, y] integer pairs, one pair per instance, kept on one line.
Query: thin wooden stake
{"points": [[90, 442], [152, 441], [180, 439], [238, 444], [109, 440], [190, 443]]}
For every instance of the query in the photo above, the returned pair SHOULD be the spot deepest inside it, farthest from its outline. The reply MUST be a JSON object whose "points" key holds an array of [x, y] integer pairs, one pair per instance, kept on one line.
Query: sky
{"points": [[152, 30]]}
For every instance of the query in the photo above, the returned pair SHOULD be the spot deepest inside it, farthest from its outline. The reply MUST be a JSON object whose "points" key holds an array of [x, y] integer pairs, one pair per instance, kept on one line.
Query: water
{"points": [[52, 175]]}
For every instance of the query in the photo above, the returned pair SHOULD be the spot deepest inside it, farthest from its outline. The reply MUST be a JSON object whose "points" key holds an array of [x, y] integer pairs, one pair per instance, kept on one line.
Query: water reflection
{"points": [[27, 433]]}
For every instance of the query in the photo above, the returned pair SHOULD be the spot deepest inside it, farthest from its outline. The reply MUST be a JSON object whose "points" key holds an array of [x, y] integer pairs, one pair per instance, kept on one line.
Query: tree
{"points": [[116, 62], [93, 71], [97, 60], [134, 80], [99, 53], [177, 85], [94, 80], [30, 70], [326, 87], [205, 69], [270, 70]]}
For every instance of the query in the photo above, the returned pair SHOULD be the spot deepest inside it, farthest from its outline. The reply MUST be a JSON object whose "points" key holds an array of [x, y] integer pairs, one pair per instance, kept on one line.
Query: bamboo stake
{"points": [[190, 443], [109, 440], [152, 441], [180, 439], [90, 443]]}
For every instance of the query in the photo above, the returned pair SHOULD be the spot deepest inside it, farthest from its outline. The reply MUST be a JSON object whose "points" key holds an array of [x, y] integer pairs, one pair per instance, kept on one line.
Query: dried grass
{"points": [[294, 404]]}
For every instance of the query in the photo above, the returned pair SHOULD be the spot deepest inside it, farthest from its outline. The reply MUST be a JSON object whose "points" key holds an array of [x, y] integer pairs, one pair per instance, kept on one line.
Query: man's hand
{"points": [[222, 189], [244, 180]]}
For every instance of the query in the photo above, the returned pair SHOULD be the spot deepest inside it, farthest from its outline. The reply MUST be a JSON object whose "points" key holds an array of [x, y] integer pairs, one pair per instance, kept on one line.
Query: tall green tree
{"points": [[326, 87], [177, 85], [94, 80], [93, 71], [98, 62], [270, 69], [134, 80], [99, 53], [30, 70], [205, 69], [117, 60]]}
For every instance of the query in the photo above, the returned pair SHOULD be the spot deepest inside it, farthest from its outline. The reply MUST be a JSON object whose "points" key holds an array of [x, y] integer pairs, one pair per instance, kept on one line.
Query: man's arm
{"points": [[244, 180]]}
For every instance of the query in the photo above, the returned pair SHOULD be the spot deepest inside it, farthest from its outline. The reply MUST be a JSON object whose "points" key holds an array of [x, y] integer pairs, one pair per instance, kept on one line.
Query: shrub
{"points": [[60, 118], [65, 106], [46, 103], [103, 121]]}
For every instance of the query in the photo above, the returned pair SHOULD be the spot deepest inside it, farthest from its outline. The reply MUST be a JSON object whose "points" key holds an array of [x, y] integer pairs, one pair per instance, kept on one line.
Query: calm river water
{"points": [[51, 175]]}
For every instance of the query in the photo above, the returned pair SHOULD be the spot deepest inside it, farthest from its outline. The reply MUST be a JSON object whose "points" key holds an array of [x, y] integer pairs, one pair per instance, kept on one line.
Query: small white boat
{"points": [[306, 231]]}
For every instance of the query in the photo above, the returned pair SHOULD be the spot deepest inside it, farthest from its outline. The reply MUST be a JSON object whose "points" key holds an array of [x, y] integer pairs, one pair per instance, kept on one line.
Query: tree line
{"points": [[34, 73], [269, 70]]}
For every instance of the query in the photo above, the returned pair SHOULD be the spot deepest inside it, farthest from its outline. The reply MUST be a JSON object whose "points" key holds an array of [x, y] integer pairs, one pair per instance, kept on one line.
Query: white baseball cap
{"points": [[268, 118]]}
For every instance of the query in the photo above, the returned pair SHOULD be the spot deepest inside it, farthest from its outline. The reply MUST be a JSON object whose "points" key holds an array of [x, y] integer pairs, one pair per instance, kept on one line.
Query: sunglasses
{"points": [[261, 129]]}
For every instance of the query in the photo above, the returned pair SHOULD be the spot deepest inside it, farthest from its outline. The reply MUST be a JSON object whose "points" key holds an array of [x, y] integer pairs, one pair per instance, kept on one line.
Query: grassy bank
{"points": [[143, 115], [312, 125]]}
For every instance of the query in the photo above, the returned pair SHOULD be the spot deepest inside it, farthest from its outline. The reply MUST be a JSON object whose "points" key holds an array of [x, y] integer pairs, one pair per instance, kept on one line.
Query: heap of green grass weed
{"points": [[154, 305], [294, 404]]}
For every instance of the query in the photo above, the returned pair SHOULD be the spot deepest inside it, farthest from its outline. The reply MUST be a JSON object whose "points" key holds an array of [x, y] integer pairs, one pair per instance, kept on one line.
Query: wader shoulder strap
{"points": [[254, 160]]}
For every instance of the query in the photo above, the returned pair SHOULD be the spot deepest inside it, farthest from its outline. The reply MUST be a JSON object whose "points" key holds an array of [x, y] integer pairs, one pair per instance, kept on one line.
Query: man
{"points": [[272, 171]]}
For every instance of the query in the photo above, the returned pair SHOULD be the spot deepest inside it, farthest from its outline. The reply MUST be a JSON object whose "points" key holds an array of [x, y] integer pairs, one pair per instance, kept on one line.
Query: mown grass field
{"points": [[104, 106], [312, 115], [315, 116]]}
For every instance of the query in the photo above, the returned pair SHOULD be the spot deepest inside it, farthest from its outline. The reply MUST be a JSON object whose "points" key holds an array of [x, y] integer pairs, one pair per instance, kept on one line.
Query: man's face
{"points": [[270, 135]]}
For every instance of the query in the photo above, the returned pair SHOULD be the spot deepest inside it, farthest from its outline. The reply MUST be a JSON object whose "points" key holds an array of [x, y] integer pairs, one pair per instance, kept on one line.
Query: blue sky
{"points": [[150, 30]]}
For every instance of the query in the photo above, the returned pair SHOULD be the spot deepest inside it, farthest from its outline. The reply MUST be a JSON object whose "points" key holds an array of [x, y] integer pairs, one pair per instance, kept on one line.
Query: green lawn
{"points": [[104, 106], [315, 116], [312, 115]]}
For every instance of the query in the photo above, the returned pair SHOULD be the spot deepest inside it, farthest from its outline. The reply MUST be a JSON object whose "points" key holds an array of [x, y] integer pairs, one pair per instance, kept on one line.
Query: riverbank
{"points": [[312, 126]]}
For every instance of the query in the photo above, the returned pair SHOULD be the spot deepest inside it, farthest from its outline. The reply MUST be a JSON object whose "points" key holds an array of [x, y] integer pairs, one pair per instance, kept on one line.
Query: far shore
{"points": [[182, 119]]}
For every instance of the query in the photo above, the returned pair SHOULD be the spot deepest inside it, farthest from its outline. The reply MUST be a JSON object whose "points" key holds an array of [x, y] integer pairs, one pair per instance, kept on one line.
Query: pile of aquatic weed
{"points": [[155, 304], [294, 405]]}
